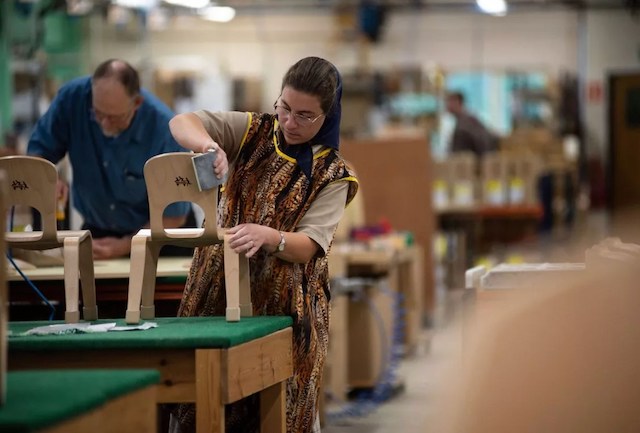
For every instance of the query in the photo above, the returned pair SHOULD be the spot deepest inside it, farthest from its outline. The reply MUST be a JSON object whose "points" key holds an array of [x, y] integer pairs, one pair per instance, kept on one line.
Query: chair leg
{"points": [[232, 281], [71, 256], [148, 309], [87, 280], [244, 282], [142, 264]]}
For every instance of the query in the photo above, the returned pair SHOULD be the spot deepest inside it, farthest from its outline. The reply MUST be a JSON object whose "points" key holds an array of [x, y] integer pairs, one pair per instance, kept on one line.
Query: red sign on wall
{"points": [[594, 92]]}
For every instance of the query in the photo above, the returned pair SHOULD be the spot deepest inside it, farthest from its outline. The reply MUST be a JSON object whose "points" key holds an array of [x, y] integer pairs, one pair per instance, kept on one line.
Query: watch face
{"points": [[281, 244]]}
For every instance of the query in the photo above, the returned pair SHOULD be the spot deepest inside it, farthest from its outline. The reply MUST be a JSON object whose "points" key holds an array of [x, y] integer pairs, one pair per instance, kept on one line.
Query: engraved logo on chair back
{"points": [[170, 178], [31, 181]]}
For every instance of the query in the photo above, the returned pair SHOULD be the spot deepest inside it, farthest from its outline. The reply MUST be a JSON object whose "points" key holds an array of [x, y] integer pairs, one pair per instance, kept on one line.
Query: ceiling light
{"points": [[79, 7], [493, 7], [195, 4], [136, 4], [219, 14]]}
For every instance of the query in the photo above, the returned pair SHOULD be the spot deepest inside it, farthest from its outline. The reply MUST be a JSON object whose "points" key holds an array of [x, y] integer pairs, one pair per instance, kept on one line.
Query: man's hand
{"points": [[109, 248], [62, 192]]}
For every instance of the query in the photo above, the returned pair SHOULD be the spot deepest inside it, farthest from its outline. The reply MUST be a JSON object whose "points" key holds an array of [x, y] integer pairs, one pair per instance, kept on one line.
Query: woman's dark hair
{"points": [[121, 71], [314, 76]]}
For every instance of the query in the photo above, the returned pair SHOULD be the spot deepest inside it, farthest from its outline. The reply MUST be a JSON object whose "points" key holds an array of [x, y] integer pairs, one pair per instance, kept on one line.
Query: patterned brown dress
{"points": [[267, 187]]}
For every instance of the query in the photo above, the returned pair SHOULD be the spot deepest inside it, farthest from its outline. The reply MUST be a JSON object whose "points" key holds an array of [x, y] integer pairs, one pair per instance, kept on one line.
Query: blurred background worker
{"points": [[469, 133]]}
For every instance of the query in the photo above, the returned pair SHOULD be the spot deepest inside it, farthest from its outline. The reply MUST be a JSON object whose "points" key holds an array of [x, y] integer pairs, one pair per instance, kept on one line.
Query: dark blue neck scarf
{"points": [[328, 135]]}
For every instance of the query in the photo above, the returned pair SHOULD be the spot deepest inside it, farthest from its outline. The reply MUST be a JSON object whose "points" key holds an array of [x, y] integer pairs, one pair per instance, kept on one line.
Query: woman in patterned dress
{"points": [[286, 191]]}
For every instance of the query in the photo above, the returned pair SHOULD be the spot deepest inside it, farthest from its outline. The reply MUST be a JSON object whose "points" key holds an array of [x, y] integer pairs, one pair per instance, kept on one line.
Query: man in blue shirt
{"points": [[109, 127]]}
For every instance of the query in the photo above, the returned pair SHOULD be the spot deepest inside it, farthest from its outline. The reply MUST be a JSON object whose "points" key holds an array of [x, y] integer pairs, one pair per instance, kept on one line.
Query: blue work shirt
{"points": [[108, 187]]}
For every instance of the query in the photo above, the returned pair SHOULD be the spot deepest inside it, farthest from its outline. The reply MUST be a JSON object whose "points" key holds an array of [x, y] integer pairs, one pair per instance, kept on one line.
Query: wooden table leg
{"points": [[273, 417], [209, 405]]}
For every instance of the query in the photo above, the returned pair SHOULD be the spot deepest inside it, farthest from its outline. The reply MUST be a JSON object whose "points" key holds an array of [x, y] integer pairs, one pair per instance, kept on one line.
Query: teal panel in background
{"points": [[531, 103], [62, 34], [413, 104], [487, 96], [63, 45]]}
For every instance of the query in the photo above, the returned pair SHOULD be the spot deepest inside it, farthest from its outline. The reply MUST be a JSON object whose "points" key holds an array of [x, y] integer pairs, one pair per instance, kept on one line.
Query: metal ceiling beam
{"points": [[264, 6]]}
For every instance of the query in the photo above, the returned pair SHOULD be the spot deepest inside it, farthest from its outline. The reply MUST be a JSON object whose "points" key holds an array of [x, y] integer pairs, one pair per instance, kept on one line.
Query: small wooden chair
{"points": [[32, 182], [170, 178]]}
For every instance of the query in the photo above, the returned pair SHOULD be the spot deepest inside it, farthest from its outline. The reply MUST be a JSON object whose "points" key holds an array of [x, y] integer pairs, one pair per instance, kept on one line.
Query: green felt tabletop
{"points": [[44, 398], [172, 332]]}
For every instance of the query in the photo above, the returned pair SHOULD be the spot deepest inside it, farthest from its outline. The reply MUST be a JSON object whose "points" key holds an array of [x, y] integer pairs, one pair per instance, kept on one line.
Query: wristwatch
{"points": [[280, 247]]}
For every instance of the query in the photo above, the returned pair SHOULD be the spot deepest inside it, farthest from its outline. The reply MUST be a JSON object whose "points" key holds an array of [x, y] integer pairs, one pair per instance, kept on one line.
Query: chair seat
{"points": [[181, 233], [34, 241], [188, 237]]}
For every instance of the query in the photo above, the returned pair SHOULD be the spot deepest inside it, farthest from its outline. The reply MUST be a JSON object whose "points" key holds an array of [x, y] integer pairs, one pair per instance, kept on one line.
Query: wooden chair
{"points": [[170, 178], [32, 182]]}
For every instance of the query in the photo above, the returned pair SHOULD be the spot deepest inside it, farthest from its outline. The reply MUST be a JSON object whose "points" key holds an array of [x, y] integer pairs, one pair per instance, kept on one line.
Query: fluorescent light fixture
{"points": [[493, 7], [219, 14], [195, 4], [79, 7], [137, 4]]}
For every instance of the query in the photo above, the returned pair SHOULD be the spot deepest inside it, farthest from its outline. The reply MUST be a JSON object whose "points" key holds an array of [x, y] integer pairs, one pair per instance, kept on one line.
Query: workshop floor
{"points": [[416, 409]]}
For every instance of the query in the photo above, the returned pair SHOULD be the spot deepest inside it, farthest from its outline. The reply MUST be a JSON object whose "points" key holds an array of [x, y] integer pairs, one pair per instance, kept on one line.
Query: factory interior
{"points": [[433, 228]]}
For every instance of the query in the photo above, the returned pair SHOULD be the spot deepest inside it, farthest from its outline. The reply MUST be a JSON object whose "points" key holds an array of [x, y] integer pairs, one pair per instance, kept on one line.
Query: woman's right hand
{"points": [[221, 164], [190, 133]]}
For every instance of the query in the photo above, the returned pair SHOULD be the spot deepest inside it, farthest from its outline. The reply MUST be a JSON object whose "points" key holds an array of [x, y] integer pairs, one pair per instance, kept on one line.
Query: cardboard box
{"points": [[370, 335]]}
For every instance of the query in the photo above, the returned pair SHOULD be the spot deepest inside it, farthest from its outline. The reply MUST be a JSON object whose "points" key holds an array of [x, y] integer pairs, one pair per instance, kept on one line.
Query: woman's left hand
{"points": [[249, 238]]}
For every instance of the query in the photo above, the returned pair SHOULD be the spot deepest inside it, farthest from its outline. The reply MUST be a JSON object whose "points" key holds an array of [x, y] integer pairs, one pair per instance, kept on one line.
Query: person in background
{"points": [[109, 127], [286, 192], [469, 133]]}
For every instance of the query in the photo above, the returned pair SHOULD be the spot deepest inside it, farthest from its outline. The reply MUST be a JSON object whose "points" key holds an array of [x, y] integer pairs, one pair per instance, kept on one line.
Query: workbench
{"points": [[112, 285], [201, 360], [80, 401]]}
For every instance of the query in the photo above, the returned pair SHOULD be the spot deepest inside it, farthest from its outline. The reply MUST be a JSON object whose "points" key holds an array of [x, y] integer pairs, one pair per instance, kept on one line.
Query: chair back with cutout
{"points": [[31, 181], [170, 178]]}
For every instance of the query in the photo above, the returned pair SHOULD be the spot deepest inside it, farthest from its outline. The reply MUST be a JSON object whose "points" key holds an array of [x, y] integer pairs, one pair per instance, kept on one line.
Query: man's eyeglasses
{"points": [[99, 116], [302, 120]]}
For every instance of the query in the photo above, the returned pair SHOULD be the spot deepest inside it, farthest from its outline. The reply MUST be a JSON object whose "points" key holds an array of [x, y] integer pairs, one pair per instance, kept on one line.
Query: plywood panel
{"points": [[395, 177]]}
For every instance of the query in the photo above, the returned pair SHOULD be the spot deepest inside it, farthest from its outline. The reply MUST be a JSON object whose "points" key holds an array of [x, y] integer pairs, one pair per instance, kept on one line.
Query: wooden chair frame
{"points": [[170, 178], [32, 182]]}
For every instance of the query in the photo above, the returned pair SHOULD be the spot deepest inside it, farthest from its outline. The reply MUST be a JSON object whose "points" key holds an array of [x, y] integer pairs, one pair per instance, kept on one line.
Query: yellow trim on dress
{"points": [[246, 131], [321, 153], [348, 178], [275, 143], [242, 142], [287, 157], [281, 153]]}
